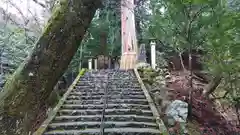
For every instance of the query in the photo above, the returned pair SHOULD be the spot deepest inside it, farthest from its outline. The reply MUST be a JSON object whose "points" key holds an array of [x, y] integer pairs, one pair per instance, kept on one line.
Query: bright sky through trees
{"points": [[23, 5]]}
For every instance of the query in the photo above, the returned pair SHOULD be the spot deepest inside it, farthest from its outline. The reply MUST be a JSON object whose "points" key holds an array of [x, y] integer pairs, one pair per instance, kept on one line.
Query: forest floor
{"points": [[209, 118]]}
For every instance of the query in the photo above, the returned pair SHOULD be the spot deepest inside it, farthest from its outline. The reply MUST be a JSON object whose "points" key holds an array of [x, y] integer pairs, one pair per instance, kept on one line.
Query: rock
{"points": [[158, 70], [161, 83], [165, 70], [143, 65], [160, 78], [168, 77], [177, 111], [157, 98], [154, 89]]}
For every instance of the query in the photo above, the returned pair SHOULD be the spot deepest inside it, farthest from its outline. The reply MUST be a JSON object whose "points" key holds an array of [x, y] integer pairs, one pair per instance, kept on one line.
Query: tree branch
{"points": [[198, 13], [36, 20], [39, 3]]}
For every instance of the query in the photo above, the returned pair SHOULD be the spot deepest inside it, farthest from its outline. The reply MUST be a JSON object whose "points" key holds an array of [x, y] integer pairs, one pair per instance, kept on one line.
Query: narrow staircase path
{"points": [[107, 102]]}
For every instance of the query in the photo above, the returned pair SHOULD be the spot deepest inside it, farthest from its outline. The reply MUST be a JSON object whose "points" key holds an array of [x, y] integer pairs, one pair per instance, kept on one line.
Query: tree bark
{"points": [[182, 64], [32, 83], [103, 43]]}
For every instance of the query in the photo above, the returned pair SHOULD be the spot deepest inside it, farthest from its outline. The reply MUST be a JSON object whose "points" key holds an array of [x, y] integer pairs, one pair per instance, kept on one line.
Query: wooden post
{"points": [[153, 54], [95, 64], [90, 64]]}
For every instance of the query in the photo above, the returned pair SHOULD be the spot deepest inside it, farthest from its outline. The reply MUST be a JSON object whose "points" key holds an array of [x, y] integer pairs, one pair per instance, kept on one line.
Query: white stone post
{"points": [[95, 64], [90, 64], [153, 54]]}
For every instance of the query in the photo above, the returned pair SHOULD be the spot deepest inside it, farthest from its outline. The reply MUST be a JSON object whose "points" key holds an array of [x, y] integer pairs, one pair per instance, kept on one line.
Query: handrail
{"points": [[53, 113], [104, 107]]}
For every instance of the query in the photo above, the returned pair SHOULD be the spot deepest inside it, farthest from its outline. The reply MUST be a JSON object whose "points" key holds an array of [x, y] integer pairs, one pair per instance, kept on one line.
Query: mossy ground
{"points": [[193, 128]]}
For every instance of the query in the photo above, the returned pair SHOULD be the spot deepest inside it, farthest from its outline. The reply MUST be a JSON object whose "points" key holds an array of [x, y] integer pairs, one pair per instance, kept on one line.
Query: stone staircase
{"points": [[109, 102]]}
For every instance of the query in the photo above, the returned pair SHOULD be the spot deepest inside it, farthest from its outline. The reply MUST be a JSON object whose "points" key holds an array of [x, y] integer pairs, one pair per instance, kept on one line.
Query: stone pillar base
{"points": [[128, 60]]}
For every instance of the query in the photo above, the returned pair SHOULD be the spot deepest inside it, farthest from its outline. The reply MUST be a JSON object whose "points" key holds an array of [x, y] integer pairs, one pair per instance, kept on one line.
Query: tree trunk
{"points": [[103, 43], [213, 85], [182, 64], [32, 83], [237, 112]]}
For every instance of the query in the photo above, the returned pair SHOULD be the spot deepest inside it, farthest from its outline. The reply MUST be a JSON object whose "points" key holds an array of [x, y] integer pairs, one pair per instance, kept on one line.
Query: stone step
{"points": [[87, 78], [122, 82], [76, 112], [91, 79], [96, 124], [134, 79], [127, 89], [77, 118], [125, 86], [119, 96], [110, 91], [136, 118], [115, 101], [84, 90], [110, 87], [115, 92], [107, 131], [73, 97], [127, 110], [84, 87], [110, 106], [77, 93]]}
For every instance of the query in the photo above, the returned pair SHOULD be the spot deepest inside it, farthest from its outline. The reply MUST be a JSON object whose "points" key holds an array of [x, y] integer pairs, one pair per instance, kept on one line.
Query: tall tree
{"points": [[31, 84]]}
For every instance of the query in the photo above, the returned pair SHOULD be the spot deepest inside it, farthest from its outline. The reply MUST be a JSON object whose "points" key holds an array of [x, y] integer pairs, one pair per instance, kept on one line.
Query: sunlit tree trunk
{"points": [[32, 83]]}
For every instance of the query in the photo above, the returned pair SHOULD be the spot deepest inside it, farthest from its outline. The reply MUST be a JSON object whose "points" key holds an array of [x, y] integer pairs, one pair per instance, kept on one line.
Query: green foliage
{"points": [[106, 20], [15, 46], [209, 25]]}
